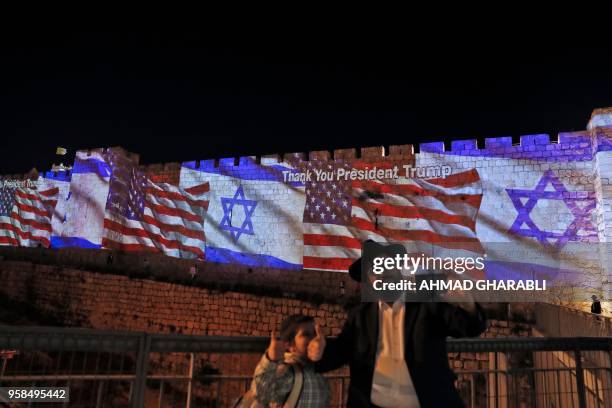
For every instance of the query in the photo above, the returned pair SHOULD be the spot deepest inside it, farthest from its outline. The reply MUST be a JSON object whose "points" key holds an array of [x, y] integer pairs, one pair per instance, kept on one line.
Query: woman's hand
{"points": [[277, 347]]}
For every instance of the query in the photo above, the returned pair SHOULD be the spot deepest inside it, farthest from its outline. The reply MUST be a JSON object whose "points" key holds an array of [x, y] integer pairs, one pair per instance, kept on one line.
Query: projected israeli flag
{"points": [[61, 180], [520, 237], [254, 217], [84, 218]]}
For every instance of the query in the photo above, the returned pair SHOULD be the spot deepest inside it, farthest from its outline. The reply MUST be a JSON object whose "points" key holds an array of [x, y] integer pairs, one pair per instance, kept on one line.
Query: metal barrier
{"points": [[105, 369]]}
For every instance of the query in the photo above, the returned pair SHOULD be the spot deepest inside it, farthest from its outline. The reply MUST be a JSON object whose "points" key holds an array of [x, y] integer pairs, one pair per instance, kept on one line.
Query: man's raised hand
{"points": [[316, 345]]}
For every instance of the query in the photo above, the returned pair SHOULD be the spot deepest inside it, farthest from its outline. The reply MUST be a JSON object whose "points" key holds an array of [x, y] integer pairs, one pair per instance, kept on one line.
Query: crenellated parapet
{"points": [[569, 146]]}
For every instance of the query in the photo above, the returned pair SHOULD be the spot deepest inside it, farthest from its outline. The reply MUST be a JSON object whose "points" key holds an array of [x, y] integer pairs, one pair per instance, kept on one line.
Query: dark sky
{"points": [[185, 96]]}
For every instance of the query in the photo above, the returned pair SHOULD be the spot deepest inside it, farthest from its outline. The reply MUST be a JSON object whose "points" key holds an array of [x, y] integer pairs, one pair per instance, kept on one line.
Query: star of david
{"points": [[228, 204], [581, 215]]}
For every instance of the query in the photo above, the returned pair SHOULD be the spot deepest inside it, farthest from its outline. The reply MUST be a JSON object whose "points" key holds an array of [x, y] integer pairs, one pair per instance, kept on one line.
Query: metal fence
{"points": [[121, 369]]}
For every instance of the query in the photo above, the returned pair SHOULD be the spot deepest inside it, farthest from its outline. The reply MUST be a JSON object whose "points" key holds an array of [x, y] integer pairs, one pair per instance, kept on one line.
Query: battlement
{"points": [[568, 146], [532, 142], [572, 145], [30, 175], [601, 117], [578, 145], [134, 157]]}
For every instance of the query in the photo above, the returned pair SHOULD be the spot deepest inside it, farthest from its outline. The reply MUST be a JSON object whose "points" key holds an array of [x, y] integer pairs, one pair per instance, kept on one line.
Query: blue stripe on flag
{"points": [[59, 176], [604, 144], [246, 170], [222, 255], [92, 166], [68, 242], [505, 270]]}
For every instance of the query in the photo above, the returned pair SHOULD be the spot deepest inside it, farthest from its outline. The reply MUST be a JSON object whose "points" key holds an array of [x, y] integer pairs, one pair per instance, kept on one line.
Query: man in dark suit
{"points": [[596, 305], [397, 353]]}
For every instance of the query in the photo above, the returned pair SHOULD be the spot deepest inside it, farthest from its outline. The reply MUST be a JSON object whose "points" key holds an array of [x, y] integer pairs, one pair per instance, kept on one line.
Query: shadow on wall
{"points": [[316, 287]]}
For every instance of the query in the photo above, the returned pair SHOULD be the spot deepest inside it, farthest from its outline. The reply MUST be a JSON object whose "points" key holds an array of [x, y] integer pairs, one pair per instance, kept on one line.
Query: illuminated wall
{"points": [[277, 212]]}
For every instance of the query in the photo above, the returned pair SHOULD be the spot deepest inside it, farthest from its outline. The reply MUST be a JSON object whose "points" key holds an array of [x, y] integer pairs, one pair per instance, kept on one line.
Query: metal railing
{"points": [[105, 369]]}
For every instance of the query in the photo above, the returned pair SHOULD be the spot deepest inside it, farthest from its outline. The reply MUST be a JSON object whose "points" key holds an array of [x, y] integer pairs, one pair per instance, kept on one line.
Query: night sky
{"points": [[185, 96]]}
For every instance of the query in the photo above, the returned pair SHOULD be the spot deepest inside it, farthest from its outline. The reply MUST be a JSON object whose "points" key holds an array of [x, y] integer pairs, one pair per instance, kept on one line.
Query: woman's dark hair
{"points": [[291, 324]]}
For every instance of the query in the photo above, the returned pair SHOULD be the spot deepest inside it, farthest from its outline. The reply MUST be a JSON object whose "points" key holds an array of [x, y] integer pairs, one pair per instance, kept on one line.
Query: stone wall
{"points": [[575, 166], [106, 301], [115, 302]]}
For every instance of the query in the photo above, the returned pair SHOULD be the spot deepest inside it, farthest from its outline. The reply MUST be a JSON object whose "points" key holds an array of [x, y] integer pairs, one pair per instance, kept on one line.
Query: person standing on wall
{"points": [[596, 305]]}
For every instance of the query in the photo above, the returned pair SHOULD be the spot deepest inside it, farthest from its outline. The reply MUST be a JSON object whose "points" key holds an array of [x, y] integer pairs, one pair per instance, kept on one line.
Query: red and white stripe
{"points": [[172, 224], [426, 215], [29, 223]]}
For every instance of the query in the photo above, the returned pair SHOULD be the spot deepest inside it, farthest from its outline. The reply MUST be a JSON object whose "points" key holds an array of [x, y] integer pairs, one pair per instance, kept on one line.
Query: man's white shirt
{"points": [[392, 386]]}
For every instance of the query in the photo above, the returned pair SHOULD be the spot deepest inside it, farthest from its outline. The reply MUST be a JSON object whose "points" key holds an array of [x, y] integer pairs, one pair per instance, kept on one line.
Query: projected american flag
{"points": [[340, 215], [25, 215], [144, 216]]}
